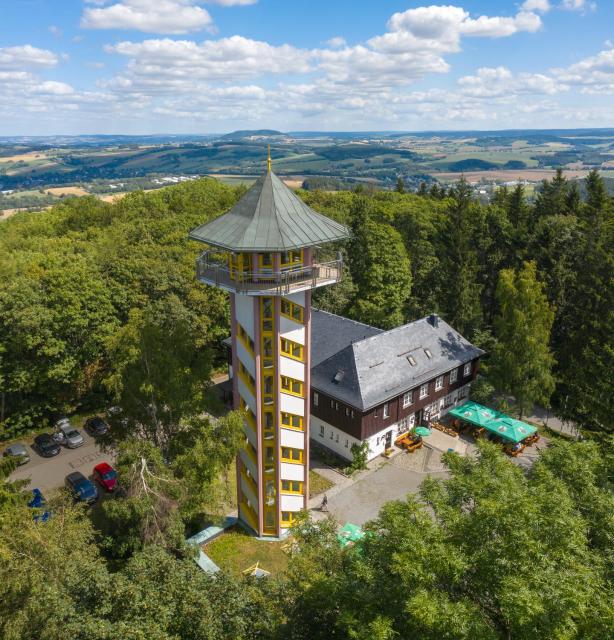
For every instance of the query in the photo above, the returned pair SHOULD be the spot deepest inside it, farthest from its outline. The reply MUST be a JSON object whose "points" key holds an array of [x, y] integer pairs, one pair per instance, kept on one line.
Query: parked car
{"points": [[38, 502], [19, 452], [96, 426], [67, 435], [106, 475], [46, 445], [83, 490], [72, 438], [62, 423]]}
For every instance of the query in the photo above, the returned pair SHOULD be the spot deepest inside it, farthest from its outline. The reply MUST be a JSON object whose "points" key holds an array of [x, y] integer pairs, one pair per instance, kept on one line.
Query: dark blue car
{"points": [[38, 502], [83, 490]]}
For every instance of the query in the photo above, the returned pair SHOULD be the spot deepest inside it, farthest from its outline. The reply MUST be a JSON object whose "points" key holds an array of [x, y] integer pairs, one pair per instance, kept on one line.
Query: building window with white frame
{"points": [[439, 383], [424, 390], [385, 411], [321, 431], [467, 369], [408, 398], [316, 399], [453, 375]]}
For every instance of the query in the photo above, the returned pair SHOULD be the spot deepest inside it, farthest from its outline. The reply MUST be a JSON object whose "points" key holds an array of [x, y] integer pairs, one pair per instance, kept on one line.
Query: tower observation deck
{"points": [[265, 253]]}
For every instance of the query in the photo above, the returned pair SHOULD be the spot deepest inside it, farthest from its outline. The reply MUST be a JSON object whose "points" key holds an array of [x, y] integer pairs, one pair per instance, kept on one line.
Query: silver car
{"points": [[19, 452], [72, 437], [66, 434]]}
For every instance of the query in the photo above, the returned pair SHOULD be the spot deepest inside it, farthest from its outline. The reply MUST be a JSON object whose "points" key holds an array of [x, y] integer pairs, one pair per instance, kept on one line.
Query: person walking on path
{"points": [[324, 505]]}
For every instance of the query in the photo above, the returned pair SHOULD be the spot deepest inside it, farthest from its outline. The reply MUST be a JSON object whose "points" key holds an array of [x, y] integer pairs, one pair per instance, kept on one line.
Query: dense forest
{"points": [[72, 276], [99, 306]]}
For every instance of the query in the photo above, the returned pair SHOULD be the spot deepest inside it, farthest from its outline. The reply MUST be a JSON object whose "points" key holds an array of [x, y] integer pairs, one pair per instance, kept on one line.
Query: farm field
{"points": [[52, 169]]}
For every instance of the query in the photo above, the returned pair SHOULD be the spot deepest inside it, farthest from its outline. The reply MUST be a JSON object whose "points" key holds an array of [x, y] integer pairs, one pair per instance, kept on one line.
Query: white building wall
{"points": [[246, 358], [335, 439], [245, 313], [292, 368], [248, 491], [292, 404], [297, 298], [291, 471], [291, 330], [291, 503], [248, 463], [246, 394], [292, 438], [250, 434]]}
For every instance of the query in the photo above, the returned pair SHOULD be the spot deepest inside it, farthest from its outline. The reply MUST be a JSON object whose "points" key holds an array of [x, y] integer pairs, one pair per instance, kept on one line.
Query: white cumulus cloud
{"points": [[158, 16], [540, 6], [26, 57]]}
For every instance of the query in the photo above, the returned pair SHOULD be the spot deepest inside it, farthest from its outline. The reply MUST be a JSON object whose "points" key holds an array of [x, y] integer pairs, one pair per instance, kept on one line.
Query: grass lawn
{"points": [[235, 550], [318, 484]]}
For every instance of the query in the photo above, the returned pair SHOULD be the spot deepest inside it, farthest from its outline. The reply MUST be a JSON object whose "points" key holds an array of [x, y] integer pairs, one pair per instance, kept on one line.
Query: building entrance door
{"points": [[389, 440]]}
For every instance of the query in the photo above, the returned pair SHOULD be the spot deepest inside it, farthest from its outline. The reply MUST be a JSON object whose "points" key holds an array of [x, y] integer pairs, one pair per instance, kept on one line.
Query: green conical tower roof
{"points": [[269, 217]]}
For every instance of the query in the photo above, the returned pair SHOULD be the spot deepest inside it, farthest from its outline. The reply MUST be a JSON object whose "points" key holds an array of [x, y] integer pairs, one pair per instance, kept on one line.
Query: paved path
{"points": [[49, 473], [362, 500], [544, 417]]}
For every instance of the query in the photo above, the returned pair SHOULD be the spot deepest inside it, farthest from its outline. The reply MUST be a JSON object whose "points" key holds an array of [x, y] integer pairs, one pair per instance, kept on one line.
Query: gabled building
{"points": [[369, 385]]}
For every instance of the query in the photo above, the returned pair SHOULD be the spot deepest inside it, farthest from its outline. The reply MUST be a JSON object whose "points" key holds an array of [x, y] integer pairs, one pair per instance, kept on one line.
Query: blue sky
{"points": [[190, 66]]}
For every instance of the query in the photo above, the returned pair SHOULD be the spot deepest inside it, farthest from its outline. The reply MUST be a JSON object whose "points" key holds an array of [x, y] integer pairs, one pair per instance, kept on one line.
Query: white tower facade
{"points": [[269, 266]]}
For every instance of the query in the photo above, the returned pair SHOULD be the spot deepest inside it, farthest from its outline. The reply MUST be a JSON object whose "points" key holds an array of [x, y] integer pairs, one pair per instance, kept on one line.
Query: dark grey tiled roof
{"points": [[372, 366], [331, 333], [269, 217], [376, 369]]}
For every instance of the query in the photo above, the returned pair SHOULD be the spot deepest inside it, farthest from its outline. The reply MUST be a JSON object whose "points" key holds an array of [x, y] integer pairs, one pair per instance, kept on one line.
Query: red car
{"points": [[106, 476]]}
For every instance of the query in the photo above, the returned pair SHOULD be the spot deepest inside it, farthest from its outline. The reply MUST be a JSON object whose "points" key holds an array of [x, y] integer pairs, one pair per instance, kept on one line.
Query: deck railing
{"points": [[284, 281]]}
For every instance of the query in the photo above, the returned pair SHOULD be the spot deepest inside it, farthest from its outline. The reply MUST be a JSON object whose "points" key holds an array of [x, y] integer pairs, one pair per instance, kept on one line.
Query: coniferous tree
{"points": [[587, 345], [522, 361], [459, 262]]}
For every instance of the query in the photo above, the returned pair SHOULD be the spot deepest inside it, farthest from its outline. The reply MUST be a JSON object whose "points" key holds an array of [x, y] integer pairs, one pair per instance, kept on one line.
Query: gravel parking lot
{"points": [[48, 473]]}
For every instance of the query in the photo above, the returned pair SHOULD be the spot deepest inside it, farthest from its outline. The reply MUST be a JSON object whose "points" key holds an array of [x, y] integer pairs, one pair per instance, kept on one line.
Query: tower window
{"points": [[291, 420], [292, 386], [292, 349], [292, 310], [288, 454]]}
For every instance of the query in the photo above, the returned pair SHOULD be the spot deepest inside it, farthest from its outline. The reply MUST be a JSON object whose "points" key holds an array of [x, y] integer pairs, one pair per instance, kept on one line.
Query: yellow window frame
{"points": [[291, 421], [292, 311], [289, 347], [295, 258], [247, 377], [245, 338], [288, 386], [288, 517], [292, 486], [291, 455], [261, 262]]}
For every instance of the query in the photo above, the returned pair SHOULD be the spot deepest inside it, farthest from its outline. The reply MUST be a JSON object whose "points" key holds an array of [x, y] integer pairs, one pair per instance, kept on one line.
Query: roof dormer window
{"points": [[411, 360], [429, 355]]}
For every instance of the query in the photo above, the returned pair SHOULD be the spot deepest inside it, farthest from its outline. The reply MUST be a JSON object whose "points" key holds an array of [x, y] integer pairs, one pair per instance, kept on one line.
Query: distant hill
{"points": [[249, 133], [472, 164]]}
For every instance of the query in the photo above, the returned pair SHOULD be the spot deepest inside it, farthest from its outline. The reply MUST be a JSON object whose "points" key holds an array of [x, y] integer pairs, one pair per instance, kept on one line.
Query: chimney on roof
{"points": [[433, 320]]}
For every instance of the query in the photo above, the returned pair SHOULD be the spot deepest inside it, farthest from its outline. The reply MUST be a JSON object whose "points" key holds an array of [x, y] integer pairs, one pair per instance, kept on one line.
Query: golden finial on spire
{"points": [[268, 159]]}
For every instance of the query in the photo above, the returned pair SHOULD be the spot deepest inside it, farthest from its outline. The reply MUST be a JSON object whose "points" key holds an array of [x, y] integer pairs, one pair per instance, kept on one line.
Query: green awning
{"points": [[350, 533], [494, 421]]}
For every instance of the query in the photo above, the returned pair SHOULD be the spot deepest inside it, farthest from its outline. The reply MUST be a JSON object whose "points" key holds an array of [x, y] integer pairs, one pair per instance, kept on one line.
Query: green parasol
{"points": [[350, 533], [422, 431]]}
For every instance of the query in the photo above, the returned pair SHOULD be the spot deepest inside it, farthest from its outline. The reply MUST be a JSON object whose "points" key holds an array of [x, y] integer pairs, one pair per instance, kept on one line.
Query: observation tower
{"points": [[266, 253]]}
